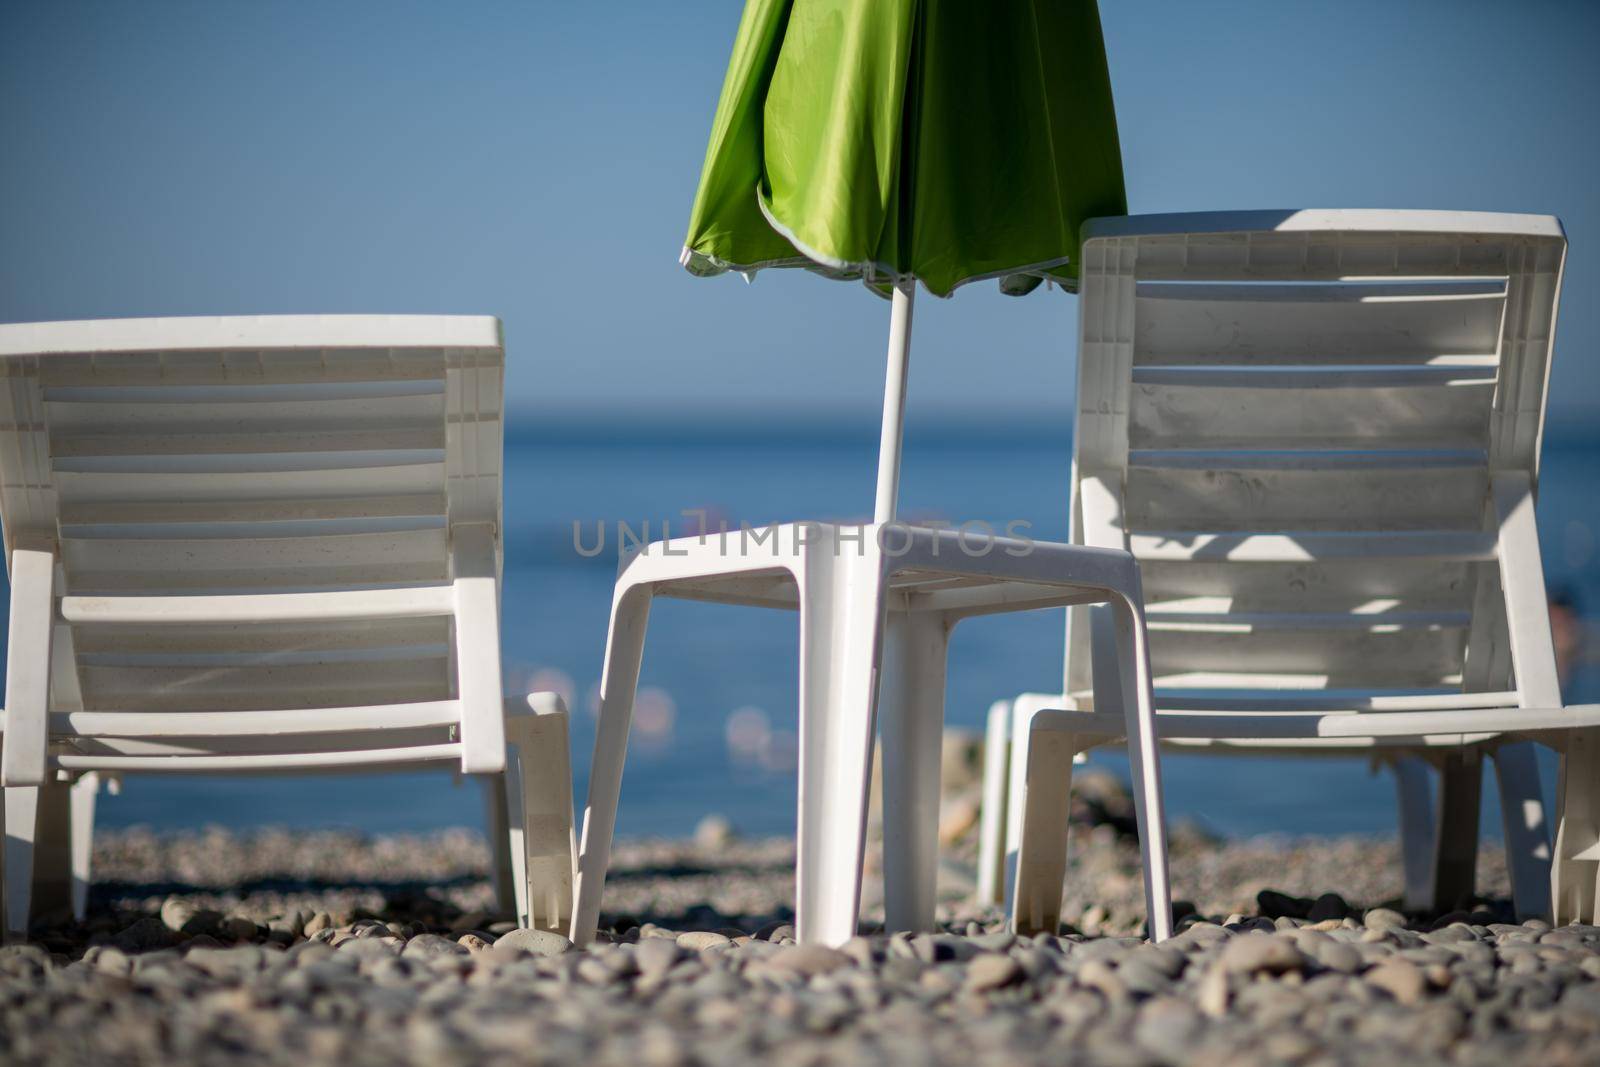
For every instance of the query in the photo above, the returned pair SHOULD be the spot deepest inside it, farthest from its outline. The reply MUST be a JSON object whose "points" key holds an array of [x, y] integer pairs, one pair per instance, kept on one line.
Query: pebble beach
{"points": [[329, 948]]}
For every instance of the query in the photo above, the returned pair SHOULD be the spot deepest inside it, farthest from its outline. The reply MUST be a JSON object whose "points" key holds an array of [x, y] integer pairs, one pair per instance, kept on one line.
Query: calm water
{"points": [[717, 714]]}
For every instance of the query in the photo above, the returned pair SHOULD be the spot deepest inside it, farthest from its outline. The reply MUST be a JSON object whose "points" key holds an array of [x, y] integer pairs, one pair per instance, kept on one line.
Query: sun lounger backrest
{"points": [[1300, 422], [237, 456]]}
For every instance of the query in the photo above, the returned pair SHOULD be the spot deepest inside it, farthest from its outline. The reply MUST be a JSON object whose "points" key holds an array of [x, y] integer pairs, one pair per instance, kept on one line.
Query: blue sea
{"points": [[717, 711]]}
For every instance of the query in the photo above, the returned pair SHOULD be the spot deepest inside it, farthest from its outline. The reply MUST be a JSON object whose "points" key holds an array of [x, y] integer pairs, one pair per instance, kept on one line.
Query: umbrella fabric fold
{"points": [[892, 140]]}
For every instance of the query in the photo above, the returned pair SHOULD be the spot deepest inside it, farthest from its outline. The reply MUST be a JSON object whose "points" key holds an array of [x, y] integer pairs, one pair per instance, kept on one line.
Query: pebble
{"points": [[993, 972], [810, 960], [1401, 979], [1272, 953], [1168, 1026], [536, 942], [1383, 919], [654, 957], [428, 946], [1273, 905], [863, 951], [238, 928], [176, 913], [145, 935], [1336, 955], [700, 940], [1327, 907]]}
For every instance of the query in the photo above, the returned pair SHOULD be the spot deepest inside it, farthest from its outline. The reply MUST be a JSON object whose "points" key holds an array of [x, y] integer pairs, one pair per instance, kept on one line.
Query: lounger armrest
{"points": [[28, 652], [477, 648]]}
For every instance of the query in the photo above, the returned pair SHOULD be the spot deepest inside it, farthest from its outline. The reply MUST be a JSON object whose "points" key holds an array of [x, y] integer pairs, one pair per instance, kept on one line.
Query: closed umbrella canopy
{"points": [[897, 140], [943, 140]]}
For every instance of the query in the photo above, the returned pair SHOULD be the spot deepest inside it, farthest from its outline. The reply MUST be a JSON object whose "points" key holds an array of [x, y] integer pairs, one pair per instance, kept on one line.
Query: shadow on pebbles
{"points": [[311, 949]]}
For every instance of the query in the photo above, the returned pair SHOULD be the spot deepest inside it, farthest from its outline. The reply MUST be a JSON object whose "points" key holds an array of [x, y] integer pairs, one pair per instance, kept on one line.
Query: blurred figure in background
{"points": [[1569, 634]]}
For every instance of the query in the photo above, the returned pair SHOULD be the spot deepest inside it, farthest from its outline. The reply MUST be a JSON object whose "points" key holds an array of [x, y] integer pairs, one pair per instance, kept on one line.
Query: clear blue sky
{"points": [[536, 161]]}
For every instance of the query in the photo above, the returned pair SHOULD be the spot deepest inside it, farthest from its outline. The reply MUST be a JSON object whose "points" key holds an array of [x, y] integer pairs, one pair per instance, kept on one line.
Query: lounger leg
{"points": [[1527, 835], [1017, 762], [1455, 855], [911, 706], [497, 800], [85, 791], [22, 815], [1042, 810], [1576, 868], [1415, 797], [630, 615], [992, 824], [841, 618], [53, 851], [1144, 761], [539, 817]]}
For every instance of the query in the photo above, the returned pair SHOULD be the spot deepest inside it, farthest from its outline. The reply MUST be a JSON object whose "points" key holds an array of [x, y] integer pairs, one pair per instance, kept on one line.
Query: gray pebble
{"points": [[1336, 956], [1383, 919], [176, 913], [428, 946], [1168, 1027], [992, 971], [1001, 941], [810, 960], [1274, 954], [655, 956], [536, 942], [863, 951], [700, 940], [1455, 932], [1401, 979]]}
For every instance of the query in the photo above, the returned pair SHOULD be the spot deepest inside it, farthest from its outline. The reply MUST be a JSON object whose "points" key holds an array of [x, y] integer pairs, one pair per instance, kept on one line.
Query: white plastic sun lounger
{"points": [[1318, 431], [262, 545]]}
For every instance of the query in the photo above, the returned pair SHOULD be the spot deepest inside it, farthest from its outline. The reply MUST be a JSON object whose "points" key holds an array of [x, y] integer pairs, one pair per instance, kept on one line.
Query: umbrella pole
{"points": [[894, 405]]}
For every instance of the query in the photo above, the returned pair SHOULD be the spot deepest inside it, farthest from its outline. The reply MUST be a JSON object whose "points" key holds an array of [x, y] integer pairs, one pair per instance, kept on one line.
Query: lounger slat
{"points": [[132, 724], [268, 484], [1164, 618], [1332, 546], [1266, 414], [136, 410], [300, 334], [369, 655], [316, 509], [205, 440], [1267, 701], [205, 744], [239, 635], [357, 604], [112, 565], [1241, 497], [1350, 585], [1415, 657], [196, 399], [244, 764], [291, 685], [1317, 322]]}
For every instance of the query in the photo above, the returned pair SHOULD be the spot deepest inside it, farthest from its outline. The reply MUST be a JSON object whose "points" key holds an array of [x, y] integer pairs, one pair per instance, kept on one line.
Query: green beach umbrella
{"points": [[893, 141]]}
